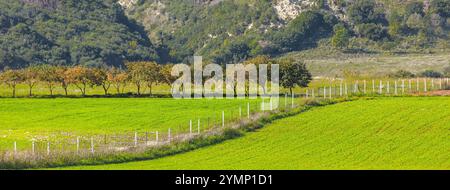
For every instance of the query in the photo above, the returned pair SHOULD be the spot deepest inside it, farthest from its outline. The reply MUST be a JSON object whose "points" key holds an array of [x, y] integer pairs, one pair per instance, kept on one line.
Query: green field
{"points": [[22, 120], [383, 133]]}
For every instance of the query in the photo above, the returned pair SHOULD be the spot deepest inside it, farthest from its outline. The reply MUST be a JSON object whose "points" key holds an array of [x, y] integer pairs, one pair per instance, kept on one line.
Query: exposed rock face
{"points": [[127, 3], [48, 4], [130, 3], [290, 9]]}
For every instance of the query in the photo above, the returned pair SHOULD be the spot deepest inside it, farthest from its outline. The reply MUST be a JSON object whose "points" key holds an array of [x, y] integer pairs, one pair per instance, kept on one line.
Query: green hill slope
{"points": [[387, 133], [69, 32]]}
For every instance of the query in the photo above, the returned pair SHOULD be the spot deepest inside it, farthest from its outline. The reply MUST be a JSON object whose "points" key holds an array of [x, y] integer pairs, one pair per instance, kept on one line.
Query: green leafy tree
{"points": [[414, 8], [365, 11], [137, 73], [341, 37], [99, 77], [152, 75], [441, 7], [293, 74]]}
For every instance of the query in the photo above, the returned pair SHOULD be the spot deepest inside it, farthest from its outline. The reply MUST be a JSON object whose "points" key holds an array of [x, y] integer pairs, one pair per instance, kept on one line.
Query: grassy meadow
{"points": [[24, 119], [328, 63], [380, 133]]}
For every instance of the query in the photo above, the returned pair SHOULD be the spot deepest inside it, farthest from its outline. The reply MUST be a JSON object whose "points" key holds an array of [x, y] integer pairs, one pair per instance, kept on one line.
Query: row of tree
{"points": [[140, 74]]}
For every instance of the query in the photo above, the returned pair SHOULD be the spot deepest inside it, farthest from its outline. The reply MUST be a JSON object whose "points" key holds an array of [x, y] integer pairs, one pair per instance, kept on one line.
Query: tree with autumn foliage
{"points": [[62, 78], [118, 78], [99, 77], [12, 78], [31, 77], [78, 76], [49, 74]]}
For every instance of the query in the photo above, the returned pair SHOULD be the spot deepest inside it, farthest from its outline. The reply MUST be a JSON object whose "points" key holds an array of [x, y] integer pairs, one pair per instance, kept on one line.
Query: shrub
{"points": [[402, 74], [372, 31], [431, 74]]}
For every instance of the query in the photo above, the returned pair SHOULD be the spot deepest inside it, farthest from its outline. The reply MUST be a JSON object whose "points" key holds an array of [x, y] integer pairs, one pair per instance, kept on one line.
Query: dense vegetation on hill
{"points": [[93, 33], [232, 30]]}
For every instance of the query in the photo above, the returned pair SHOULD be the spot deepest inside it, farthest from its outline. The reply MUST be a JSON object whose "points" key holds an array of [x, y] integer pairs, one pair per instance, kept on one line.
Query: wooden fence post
{"points": [[190, 128], [388, 87], [223, 118], [78, 145], [417, 85], [425, 85], [403, 87], [365, 87], [381, 87], [248, 110], [146, 138], [330, 94], [169, 138], [373, 86], [292, 100], [32, 147], [92, 145], [135, 139], [409, 85], [395, 88], [15, 148], [432, 84]]}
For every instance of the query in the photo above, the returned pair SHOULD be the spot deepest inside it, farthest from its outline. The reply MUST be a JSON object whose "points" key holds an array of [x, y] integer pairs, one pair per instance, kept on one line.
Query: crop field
{"points": [[380, 133], [24, 119]]}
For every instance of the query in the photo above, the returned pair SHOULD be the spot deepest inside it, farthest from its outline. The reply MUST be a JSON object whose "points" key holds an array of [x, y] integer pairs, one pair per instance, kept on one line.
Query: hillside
{"points": [[70, 32], [233, 30], [223, 31], [385, 133]]}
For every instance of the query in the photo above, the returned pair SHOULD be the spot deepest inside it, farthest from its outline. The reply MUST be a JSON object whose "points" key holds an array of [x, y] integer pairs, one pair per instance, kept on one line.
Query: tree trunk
{"points": [[65, 90], [138, 89], [50, 87], [83, 91], [30, 92], [150, 87], [118, 89], [14, 91], [105, 89], [290, 90]]}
